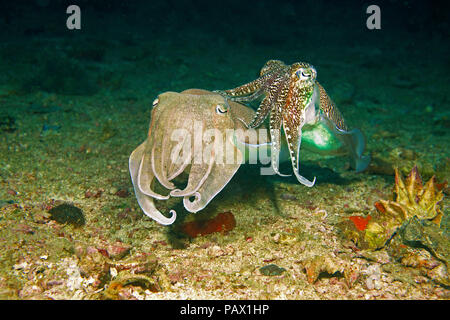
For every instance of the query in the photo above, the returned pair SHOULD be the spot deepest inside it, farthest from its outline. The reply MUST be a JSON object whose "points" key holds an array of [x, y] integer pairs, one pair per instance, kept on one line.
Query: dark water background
{"points": [[230, 39]]}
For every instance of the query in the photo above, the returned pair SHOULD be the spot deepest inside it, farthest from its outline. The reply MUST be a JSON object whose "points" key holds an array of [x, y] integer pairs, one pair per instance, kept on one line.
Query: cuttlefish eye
{"points": [[303, 75], [221, 109], [155, 102]]}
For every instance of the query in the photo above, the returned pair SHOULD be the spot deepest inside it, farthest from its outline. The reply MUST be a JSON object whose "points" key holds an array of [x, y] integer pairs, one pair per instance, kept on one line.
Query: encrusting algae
{"points": [[412, 199], [414, 215]]}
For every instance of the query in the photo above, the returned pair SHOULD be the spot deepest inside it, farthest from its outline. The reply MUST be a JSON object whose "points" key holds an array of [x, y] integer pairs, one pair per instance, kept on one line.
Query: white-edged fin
{"points": [[146, 202], [355, 143]]}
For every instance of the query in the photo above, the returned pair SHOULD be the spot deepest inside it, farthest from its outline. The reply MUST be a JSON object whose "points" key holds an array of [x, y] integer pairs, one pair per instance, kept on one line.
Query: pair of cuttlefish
{"points": [[208, 136]]}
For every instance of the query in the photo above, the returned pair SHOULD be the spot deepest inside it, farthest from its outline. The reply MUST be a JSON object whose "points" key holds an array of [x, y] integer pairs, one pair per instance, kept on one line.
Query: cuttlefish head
{"points": [[188, 132]]}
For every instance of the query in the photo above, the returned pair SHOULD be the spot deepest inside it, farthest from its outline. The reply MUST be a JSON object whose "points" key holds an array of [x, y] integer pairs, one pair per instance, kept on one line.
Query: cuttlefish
{"points": [[289, 97], [181, 122], [188, 132]]}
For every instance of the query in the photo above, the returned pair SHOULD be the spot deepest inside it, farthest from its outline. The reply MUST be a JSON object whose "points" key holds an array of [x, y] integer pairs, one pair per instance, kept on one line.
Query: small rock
{"points": [[271, 270], [91, 194], [118, 250], [24, 228], [122, 193], [373, 280], [53, 283], [288, 196], [41, 217], [30, 291], [67, 213], [380, 167], [276, 238], [79, 251], [403, 81], [215, 251], [113, 190], [223, 222], [42, 109]]}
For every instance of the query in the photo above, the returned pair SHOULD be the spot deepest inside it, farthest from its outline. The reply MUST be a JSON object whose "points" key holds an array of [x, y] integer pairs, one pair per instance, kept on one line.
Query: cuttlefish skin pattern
{"points": [[289, 98]]}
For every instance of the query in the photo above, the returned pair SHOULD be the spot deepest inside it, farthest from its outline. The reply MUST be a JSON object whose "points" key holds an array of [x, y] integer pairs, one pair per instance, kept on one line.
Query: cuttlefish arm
{"points": [[219, 176], [197, 176], [145, 201], [294, 142], [293, 133]]}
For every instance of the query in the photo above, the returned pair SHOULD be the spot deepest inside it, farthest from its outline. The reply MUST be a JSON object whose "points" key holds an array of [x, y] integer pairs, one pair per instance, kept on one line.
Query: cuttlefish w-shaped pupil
{"points": [[287, 92], [302, 74]]}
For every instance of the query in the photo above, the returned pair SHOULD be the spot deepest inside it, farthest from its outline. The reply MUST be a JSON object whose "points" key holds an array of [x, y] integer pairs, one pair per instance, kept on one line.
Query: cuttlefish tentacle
{"points": [[296, 115], [145, 201], [294, 141], [144, 170], [275, 149], [258, 93], [329, 108]]}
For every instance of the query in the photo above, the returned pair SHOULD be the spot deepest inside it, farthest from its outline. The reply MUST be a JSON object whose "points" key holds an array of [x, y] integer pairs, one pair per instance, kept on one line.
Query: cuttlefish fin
{"points": [[145, 201], [355, 143], [219, 176]]}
